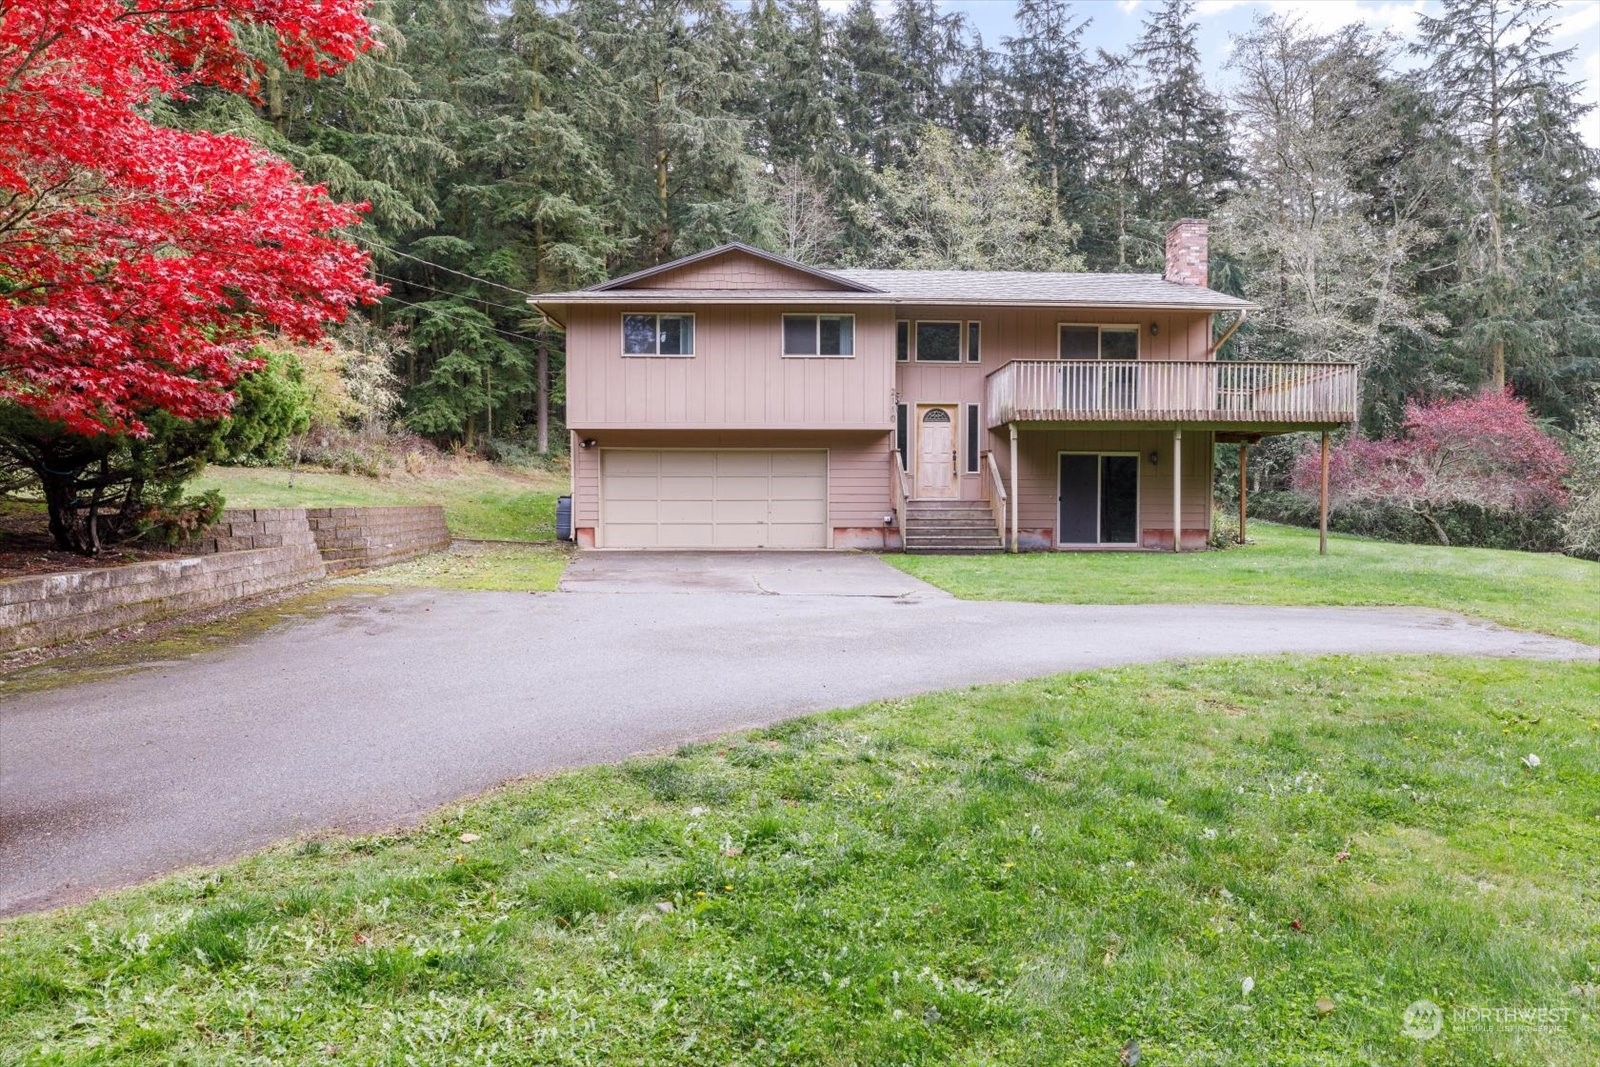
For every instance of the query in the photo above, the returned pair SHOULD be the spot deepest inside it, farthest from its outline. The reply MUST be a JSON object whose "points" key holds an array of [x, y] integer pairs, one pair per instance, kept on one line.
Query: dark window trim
{"points": [[902, 427], [973, 439], [916, 356]]}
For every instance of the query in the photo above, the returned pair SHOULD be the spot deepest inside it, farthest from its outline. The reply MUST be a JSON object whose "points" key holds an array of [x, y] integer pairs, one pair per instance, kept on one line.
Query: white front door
{"points": [[936, 452]]}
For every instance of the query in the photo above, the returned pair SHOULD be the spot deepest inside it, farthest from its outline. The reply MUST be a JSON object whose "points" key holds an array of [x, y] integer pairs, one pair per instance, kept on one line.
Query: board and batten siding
{"points": [[858, 473], [735, 270], [737, 378], [1038, 478]]}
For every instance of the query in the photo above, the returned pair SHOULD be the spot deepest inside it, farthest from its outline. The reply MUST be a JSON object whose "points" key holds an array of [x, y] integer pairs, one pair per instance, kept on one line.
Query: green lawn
{"points": [[1553, 594], [480, 500], [1032, 873], [471, 565]]}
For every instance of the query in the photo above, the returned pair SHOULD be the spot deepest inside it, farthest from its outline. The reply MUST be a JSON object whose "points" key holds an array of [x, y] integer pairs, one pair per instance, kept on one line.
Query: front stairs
{"points": [[950, 526]]}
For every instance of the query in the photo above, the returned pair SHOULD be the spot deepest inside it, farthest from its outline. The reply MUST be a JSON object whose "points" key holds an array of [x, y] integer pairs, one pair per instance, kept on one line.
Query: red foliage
{"points": [[1483, 450], [138, 264]]}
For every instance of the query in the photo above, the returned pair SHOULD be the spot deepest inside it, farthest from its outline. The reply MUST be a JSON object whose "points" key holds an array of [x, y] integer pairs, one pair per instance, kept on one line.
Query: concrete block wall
{"points": [[250, 552], [358, 538]]}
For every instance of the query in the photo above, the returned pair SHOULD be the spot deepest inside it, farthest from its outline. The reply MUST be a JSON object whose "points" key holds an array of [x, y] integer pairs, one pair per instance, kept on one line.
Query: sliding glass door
{"points": [[1098, 502]]}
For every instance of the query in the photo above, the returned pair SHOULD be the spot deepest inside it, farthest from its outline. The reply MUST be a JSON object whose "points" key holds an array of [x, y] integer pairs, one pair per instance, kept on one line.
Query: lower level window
{"points": [[657, 335]]}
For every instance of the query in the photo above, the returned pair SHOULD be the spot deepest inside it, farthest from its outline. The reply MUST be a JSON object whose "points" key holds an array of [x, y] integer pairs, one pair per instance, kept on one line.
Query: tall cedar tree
{"points": [[1524, 205]]}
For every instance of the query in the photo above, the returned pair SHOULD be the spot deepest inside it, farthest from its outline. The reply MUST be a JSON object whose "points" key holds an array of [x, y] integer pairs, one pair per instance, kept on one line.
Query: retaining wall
{"points": [[250, 552], [357, 538]]}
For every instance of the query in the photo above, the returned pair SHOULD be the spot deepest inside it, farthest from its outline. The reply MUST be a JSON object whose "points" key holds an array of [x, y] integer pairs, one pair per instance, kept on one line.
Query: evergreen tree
{"points": [[1524, 201], [1051, 82]]}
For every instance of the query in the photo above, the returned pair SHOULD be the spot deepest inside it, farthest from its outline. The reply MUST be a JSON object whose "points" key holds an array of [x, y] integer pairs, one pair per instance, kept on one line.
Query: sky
{"points": [[1117, 22]]}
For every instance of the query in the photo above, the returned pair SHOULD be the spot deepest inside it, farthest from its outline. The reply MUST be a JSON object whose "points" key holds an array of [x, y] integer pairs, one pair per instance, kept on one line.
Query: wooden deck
{"points": [[1270, 396]]}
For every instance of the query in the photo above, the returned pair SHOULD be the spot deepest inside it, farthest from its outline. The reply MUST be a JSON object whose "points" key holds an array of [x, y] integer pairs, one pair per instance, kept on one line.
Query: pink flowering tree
{"points": [[1483, 450]]}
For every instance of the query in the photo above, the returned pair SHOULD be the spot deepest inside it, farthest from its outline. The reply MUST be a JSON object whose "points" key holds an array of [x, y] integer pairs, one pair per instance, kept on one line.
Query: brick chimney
{"points": [[1187, 252]]}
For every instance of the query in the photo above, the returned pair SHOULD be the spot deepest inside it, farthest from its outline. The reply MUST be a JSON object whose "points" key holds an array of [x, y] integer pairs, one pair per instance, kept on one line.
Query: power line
{"points": [[496, 329], [446, 292], [437, 266]]}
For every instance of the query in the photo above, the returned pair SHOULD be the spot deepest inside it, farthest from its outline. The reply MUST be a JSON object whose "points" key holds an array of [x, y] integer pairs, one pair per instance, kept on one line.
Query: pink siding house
{"points": [[737, 399]]}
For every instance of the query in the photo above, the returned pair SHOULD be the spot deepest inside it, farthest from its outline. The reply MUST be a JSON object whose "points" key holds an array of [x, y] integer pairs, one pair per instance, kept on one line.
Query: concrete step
{"points": [[952, 550], [952, 542]]}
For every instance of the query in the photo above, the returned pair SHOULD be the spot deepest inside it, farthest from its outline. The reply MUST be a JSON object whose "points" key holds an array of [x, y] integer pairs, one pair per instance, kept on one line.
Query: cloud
{"points": [[1129, 6], [1576, 17]]}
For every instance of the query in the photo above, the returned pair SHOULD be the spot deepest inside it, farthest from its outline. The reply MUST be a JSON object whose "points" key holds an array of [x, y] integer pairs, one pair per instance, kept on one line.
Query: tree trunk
{"points": [[542, 402]]}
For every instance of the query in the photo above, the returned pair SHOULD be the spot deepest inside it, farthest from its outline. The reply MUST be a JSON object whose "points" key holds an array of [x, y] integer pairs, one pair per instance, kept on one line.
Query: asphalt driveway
{"points": [[390, 706]]}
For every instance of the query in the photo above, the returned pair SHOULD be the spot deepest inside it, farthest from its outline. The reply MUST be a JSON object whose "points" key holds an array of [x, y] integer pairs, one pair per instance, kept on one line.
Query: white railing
{"points": [[902, 492], [1104, 390], [995, 490]]}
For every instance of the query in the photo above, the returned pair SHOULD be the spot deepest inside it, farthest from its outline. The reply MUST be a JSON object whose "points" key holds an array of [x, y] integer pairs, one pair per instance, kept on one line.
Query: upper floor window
{"points": [[974, 349], [819, 335], [657, 335], [938, 342], [1099, 342], [902, 341]]}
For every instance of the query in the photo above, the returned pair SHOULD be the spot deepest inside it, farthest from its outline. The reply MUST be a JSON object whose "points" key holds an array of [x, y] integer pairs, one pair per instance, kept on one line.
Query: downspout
{"points": [[1216, 346]]}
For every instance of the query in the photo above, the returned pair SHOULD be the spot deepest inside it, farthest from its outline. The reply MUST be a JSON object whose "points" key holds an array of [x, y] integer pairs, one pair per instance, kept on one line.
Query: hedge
{"points": [[1466, 525]]}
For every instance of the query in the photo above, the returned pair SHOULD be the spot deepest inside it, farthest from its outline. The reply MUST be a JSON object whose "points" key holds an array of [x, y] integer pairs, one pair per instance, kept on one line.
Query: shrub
{"points": [[1463, 524], [1481, 455]]}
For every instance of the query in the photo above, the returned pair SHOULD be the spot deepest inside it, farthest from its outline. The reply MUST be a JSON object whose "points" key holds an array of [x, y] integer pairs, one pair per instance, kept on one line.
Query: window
{"points": [[902, 341], [902, 427], [972, 438], [1099, 342], [657, 335], [972, 341], [938, 342], [819, 335]]}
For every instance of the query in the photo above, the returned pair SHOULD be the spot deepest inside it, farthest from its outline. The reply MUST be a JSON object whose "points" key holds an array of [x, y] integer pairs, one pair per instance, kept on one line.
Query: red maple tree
{"points": [[139, 264], [1484, 450]]}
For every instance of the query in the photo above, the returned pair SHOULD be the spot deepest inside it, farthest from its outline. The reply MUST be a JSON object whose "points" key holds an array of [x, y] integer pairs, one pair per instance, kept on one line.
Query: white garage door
{"points": [[713, 499]]}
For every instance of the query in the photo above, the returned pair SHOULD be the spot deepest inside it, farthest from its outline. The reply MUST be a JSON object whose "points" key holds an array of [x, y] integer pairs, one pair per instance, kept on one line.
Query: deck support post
{"points": [[1014, 501], [1244, 485], [1177, 489], [1322, 501]]}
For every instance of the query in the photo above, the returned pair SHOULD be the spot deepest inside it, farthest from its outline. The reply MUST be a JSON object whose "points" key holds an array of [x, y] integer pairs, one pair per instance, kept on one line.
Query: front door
{"points": [[936, 452], [1099, 499]]}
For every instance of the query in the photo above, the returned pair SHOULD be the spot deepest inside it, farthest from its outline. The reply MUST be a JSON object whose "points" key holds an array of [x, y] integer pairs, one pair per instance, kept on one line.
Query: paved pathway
{"points": [[390, 706]]}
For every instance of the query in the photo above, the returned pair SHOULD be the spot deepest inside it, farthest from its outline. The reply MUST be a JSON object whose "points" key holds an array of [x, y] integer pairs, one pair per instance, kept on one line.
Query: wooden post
{"points": [[1244, 486], [1322, 520], [1014, 501], [1177, 490]]}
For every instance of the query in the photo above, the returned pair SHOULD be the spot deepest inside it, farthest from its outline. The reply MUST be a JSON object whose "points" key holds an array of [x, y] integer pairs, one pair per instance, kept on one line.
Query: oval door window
{"points": [[936, 415]]}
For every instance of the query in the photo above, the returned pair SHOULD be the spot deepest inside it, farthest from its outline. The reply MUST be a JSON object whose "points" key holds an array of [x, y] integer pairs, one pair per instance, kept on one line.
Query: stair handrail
{"points": [[902, 492], [996, 492]]}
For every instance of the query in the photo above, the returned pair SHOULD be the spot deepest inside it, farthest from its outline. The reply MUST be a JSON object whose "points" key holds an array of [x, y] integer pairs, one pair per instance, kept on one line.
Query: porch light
{"points": [[1155, 328], [1154, 455]]}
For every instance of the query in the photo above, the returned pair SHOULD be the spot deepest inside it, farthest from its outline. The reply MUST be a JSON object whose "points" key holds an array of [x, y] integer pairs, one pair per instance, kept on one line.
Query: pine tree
{"points": [[1526, 197], [1051, 82], [1192, 165]]}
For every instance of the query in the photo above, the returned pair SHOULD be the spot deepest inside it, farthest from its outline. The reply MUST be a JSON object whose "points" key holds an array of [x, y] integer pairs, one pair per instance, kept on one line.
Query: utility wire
{"points": [[496, 329], [373, 241], [445, 292]]}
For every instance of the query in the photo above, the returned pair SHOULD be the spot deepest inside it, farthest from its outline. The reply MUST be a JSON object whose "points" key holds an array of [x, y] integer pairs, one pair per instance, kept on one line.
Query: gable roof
{"points": [[829, 279], [1082, 289], [849, 286]]}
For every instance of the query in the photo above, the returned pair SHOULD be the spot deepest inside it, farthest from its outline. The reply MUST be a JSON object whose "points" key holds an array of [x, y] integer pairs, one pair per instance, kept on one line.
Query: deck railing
{"points": [[994, 488], [1104, 390], [901, 488]]}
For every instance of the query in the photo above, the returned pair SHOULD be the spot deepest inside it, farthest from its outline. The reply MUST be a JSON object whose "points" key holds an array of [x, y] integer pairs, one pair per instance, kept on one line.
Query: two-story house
{"points": [[738, 399]]}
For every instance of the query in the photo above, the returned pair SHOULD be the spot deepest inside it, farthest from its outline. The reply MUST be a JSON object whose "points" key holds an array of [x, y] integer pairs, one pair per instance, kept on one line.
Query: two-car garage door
{"points": [[729, 498]]}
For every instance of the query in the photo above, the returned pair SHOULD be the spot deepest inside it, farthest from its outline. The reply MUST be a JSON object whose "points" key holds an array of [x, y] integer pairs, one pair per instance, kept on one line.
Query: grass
{"points": [[481, 500], [1031, 873], [1549, 593], [472, 565]]}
